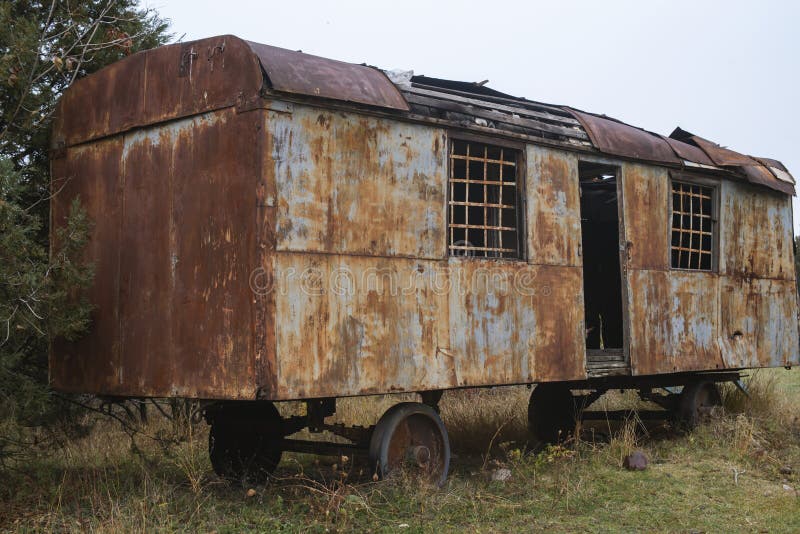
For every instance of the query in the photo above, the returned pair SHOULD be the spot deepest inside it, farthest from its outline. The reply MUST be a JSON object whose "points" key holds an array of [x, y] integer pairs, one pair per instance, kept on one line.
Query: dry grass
{"points": [[727, 475]]}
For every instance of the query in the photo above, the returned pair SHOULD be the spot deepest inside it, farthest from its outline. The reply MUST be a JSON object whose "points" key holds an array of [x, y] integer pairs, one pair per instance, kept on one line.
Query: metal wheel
{"points": [[244, 443], [696, 403], [411, 436], [551, 412]]}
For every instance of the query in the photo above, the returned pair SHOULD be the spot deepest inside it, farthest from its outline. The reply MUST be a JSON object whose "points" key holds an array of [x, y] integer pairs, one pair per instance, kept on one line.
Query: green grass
{"points": [[102, 484]]}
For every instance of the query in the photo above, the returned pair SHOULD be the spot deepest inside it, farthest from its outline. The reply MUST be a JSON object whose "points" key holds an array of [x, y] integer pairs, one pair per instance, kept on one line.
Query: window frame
{"points": [[702, 181], [520, 201]]}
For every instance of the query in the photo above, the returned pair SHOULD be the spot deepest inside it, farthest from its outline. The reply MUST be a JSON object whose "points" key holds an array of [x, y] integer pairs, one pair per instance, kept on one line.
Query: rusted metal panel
{"points": [[758, 326], [157, 85], [688, 152], [772, 178], [504, 328], [673, 321], [492, 329], [353, 325], [742, 316], [721, 156], [92, 363], [339, 174], [756, 238], [762, 171], [619, 139], [646, 202], [214, 253], [295, 72], [198, 76], [350, 325], [553, 199], [173, 260], [559, 345], [145, 277], [104, 103]]}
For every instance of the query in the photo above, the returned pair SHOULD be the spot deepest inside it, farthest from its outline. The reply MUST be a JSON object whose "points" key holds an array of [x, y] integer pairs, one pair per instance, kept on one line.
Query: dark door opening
{"points": [[602, 280]]}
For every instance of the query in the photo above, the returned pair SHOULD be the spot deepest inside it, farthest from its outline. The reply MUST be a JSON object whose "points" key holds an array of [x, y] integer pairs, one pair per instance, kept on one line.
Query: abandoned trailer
{"points": [[275, 226]]}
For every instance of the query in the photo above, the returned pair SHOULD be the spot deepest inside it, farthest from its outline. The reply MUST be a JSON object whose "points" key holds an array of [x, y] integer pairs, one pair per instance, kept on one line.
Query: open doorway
{"points": [[602, 280]]}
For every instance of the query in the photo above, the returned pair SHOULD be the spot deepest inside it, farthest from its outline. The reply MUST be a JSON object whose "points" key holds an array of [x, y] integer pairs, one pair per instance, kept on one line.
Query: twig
{"points": [[491, 442], [736, 474]]}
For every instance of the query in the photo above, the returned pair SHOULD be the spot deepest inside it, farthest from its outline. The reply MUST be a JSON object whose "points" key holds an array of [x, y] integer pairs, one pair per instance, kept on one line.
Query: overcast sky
{"points": [[727, 71]]}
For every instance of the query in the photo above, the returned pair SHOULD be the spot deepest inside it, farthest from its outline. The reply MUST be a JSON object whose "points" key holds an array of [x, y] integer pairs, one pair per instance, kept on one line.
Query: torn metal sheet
{"points": [[688, 152]]}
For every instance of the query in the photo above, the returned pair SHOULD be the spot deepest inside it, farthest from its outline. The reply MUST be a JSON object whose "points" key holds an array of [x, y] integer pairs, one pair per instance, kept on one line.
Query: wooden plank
{"points": [[605, 355], [497, 116], [606, 365], [519, 109], [527, 104]]}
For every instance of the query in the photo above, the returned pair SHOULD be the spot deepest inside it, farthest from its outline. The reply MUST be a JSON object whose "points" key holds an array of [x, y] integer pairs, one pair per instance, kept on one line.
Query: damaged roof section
{"points": [[763, 171], [614, 137], [186, 79], [473, 105], [476, 106]]}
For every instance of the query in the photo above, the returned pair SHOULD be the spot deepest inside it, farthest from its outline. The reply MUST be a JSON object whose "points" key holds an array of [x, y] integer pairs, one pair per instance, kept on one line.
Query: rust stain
{"points": [[175, 311], [757, 239], [93, 362], [334, 180], [646, 203], [674, 321], [156, 85], [553, 207]]}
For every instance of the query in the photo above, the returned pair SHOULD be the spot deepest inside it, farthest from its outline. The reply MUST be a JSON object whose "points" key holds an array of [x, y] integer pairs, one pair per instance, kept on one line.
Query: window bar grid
{"points": [[500, 201], [485, 194], [466, 197], [690, 200], [680, 225], [452, 193], [493, 205]]}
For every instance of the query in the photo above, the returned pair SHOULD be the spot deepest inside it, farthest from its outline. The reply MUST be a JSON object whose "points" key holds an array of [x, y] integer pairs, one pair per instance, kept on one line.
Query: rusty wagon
{"points": [[275, 226]]}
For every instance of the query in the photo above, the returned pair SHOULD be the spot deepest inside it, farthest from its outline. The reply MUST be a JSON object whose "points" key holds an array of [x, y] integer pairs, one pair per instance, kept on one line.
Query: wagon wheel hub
{"points": [[411, 435], [419, 455]]}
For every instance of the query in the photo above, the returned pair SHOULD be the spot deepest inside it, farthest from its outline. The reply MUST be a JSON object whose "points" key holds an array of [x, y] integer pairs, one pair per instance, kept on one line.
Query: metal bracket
{"points": [[188, 55], [318, 410]]}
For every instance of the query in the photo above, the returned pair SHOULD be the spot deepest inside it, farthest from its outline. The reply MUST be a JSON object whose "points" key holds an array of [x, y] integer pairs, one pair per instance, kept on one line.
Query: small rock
{"points": [[250, 493], [501, 475], [635, 461], [786, 470], [787, 487]]}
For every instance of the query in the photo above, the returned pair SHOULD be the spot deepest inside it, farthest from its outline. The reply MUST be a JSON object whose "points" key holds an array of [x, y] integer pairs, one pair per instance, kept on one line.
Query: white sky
{"points": [[725, 70]]}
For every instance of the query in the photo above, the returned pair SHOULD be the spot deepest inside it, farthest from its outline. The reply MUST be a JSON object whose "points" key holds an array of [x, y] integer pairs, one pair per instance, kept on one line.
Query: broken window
{"points": [[693, 221], [484, 201]]}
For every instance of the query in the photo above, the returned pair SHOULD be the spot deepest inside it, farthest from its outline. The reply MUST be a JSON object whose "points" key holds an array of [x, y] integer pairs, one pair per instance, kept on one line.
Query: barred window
{"points": [[484, 201], [693, 220]]}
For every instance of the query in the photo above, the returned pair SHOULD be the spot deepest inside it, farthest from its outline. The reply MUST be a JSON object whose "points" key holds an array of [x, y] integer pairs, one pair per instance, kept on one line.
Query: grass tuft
{"points": [[728, 474]]}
